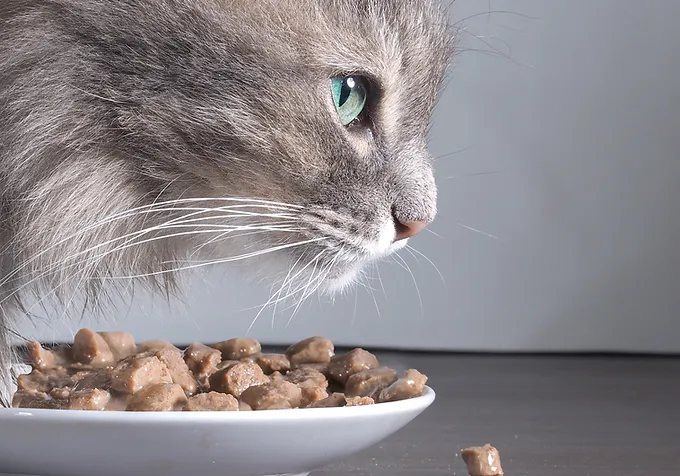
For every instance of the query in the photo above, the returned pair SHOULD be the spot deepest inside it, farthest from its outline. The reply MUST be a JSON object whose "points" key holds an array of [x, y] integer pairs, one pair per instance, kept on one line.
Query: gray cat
{"points": [[141, 137]]}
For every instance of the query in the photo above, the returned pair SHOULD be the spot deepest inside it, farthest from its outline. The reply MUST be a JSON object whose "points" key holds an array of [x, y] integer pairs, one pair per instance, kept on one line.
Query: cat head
{"points": [[290, 135]]}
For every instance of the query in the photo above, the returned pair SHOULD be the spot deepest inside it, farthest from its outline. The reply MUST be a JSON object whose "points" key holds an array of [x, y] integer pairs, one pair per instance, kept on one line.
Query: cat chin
{"points": [[344, 277], [341, 281], [283, 270]]}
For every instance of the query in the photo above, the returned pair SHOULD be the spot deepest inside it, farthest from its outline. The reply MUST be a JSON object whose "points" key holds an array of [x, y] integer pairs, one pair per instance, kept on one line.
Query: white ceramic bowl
{"points": [[275, 442]]}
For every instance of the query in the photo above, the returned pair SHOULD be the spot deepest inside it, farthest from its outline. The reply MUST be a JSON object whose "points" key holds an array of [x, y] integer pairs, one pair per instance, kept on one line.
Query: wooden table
{"points": [[547, 415]]}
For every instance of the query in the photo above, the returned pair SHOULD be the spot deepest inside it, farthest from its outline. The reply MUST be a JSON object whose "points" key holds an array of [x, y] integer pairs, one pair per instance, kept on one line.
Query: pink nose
{"points": [[407, 229]]}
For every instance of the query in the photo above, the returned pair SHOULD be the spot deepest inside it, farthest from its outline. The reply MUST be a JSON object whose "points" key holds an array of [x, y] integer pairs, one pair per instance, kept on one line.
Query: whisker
{"points": [[287, 282], [99, 257], [415, 283], [319, 280], [187, 224], [467, 227], [413, 250], [375, 301], [475, 174], [354, 313], [449, 154], [145, 209], [282, 287], [382, 285], [434, 233], [225, 260], [304, 294], [229, 234], [129, 289]]}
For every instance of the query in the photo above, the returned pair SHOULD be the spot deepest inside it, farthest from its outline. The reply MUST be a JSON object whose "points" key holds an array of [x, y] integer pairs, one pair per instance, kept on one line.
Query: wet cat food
{"points": [[109, 371], [482, 461]]}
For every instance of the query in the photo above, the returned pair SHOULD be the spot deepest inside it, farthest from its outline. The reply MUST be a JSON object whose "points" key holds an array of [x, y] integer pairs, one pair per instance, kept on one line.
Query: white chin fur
{"points": [[341, 283], [347, 269], [383, 247]]}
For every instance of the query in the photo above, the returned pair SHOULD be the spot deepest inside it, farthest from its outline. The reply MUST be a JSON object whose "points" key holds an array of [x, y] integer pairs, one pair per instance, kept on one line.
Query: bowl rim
{"points": [[296, 415]]}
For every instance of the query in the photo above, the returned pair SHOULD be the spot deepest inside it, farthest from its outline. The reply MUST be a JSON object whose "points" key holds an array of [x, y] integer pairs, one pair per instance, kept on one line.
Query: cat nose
{"points": [[407, 229]]}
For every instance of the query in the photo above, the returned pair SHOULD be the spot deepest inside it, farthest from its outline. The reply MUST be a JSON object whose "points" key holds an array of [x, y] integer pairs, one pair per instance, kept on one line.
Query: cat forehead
{"points": [[364, 32], [404, 45]]}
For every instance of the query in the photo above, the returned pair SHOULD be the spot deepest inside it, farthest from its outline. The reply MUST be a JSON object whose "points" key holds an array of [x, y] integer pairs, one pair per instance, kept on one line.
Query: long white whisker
{"points": [[415, 283], [99, 257], [225, 260], [434, 233], [287, 281], [131, 236], [229, 234], [413, 250], [245, 256], [354, 314], [375, 301], [319, 280], [382, 285], [145, 209], [282, 287], [312, 278], [478, 231]]}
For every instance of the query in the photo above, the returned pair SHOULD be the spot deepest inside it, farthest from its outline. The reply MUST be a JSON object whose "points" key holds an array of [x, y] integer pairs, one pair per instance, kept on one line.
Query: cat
{"points": [[142, 137]]}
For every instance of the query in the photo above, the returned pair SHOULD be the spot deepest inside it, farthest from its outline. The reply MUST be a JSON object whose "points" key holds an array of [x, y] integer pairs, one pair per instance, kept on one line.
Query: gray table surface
{"points": [[547, 415]]}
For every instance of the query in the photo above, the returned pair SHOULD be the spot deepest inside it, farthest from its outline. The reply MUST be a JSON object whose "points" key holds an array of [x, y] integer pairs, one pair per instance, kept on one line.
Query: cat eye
{"points": [[349, 96]]}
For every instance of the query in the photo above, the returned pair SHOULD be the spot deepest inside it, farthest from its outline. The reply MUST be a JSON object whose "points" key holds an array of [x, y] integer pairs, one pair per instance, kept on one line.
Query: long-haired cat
{"points": [[142, 137]]}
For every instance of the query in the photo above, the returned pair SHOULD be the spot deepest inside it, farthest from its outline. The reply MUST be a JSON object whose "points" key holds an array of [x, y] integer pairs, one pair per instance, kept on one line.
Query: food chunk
{"points": [[482, 461], [271, 363], [239, 348], [272, 396], [342, 367], [179, 371], [411, 385], [121, 344], [359, 401], [307, 378], [237, 378], [314, 350], [41, 358], [336, 399], [89, 399], [154, 345], [138, 371], [202, 361], [44, 380], [159, 397], [91, 348], [212, 402], [311, 395], [91, 379], [367, 382], [37, 400]]}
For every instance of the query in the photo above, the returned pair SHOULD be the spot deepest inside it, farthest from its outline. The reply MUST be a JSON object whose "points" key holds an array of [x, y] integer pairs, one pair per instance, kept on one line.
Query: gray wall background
{"points": [[559, 135]]}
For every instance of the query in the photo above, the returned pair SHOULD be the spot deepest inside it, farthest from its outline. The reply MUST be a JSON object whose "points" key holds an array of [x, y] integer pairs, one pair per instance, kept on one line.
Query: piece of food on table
{"points": [[482, 461]]}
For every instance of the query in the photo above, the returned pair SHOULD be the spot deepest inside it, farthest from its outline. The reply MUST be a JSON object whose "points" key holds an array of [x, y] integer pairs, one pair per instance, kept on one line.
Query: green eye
{"points": [[349, 97]]}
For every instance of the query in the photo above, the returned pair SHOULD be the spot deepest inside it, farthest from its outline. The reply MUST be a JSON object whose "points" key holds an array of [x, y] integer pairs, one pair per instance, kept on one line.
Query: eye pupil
{"points": [[349, 96], [345, 91]]}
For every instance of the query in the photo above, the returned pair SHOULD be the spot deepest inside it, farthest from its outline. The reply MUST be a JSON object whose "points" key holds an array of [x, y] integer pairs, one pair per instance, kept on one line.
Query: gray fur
{"points": [[111, 105]]}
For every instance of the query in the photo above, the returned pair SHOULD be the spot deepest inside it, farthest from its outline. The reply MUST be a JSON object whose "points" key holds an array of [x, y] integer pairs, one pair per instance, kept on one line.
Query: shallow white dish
{"points": [[275, 442]]}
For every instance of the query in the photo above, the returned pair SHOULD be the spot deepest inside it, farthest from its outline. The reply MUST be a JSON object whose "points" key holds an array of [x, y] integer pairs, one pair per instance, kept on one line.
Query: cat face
{"points": [[334, 103], [286, 134]]}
